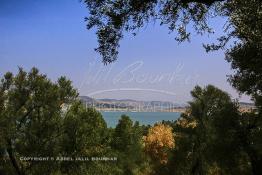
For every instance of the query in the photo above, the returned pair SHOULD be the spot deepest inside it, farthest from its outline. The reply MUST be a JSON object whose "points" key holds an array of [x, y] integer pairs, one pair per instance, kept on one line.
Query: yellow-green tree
{"points": [[158, 142]]}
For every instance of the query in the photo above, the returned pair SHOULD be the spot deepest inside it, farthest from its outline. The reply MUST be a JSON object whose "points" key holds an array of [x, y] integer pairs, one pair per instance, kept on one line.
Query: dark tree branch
{"points": [[12, 158], [24, 117]]}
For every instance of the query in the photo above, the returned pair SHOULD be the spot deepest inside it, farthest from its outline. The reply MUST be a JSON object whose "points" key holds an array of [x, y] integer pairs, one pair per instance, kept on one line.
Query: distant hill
{"points": [[129, 104], [246, 104], [87, 99], [114, 100], [107, 104], [246, 107]]}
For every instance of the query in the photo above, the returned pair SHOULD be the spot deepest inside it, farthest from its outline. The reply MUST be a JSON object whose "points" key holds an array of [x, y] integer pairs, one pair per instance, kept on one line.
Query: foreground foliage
{"points": [[39, 118]]}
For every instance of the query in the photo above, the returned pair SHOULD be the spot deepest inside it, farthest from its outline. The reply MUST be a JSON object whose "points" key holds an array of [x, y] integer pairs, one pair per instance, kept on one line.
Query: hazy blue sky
{"points": [[51, 35]]}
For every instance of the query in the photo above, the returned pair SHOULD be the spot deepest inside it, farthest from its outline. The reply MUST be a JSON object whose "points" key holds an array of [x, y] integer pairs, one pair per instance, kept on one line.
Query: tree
{"points": [[112, 18], [181, 157], [39, 118], [208, 134], [242, 32], [127, 143], [158, 141], [84, 134], [243, 27], [30, 117], [246, 59], [158, 144], [246, 56]]}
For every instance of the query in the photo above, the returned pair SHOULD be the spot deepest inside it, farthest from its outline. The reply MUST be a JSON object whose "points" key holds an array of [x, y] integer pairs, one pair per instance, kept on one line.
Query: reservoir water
{"points": [[144, 118]]}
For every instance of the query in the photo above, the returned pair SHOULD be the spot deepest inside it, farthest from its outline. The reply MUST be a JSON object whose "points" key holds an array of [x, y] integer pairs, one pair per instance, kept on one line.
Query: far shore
{"points": [[242, 109], [180, 110]]}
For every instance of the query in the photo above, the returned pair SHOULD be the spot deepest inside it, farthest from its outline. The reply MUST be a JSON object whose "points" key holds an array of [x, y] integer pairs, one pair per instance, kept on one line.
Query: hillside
{"points": [[131, 105]]}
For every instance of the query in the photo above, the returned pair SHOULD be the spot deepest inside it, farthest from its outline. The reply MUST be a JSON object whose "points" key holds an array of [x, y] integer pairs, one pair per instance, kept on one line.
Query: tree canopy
{"points": [[211, 131], [113, 18], [41, 118], [241, 39]]}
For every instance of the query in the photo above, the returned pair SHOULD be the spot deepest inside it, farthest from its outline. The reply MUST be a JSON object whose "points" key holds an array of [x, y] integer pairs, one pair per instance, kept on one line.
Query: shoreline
{"points": [[121, 110]]}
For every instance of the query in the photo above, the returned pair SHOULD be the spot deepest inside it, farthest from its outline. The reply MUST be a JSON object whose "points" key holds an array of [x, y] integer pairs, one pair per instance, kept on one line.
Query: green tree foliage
{"points": [[246, 56], [39, 118], [243, 29], [30, 118], [84, 135], [112, 18], [242, 39], [208, 135], [127, 143], [246, 59]]}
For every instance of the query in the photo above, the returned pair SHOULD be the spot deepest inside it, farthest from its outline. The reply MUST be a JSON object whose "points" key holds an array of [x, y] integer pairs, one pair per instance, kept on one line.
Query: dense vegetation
{"points": [[236, 139], [40, 118], [43, 118]]}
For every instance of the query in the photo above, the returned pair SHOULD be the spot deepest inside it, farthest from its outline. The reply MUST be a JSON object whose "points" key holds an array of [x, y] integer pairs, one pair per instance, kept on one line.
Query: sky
{"points": [[52, 36]]}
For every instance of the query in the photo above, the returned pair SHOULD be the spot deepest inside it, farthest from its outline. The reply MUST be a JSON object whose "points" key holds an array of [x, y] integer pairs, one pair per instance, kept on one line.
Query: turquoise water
{"points": [[144, 118]]}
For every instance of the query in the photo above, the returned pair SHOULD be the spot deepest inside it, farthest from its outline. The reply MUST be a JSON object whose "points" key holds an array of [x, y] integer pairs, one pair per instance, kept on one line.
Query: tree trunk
{"points": [[12, 158], [256, 162]]}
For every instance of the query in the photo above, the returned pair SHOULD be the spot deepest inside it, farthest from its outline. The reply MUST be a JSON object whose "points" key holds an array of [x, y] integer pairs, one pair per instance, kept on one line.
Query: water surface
{"points": [[144, 118]]}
